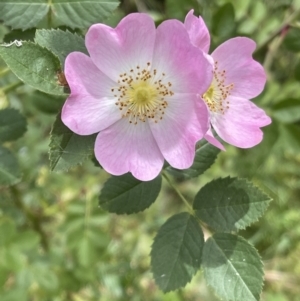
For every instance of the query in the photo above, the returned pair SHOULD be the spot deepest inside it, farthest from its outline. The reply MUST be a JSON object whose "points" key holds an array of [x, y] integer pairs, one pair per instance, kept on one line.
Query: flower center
{"points": [[216, 97], [141, 94]]}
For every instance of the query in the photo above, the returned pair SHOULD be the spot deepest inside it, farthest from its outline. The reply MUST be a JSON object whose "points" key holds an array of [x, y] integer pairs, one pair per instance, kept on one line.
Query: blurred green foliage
{"points": [[57, 244]]}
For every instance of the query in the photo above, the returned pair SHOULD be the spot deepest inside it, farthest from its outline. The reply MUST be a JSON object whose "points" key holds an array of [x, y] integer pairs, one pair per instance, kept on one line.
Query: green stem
{"points": [[35, 220], [4, 71], [12, 87], [190, 209], [278, 30]]}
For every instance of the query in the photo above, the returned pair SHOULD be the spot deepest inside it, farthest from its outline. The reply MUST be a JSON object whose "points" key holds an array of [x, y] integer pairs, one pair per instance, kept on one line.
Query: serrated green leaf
{"points": [[176, 252], [23, 14], [68, 149], [205, 156], [126, 195], [82, 14], [34, 65], [76, 14], [18, 34], [61, 43], [12, 125], [287, 111], [232, 267], [9, 168], [230, 204], [292, 40]]}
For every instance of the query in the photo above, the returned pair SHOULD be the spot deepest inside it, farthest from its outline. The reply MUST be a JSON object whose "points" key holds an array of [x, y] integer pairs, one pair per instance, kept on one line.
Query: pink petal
{"points": [[240, 125], [131, 43], [235, 57], [91, 106], [185, 122], [209, 136], [185, 66], [197, 31], [125, 147]]}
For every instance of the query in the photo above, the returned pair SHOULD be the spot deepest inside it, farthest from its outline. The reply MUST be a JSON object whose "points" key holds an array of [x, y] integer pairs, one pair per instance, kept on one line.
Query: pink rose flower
{"points": [[236, 79], [138, 90]]}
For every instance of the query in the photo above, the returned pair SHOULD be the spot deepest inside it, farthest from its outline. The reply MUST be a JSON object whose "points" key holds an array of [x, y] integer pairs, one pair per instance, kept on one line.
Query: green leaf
{"points": [[17, 293], [82, 14], [126, 195], [18, 34], [292, 40], [28, 13], [61, 43], [176, 252], [230, 204], [232, 267], [45, 277], [9, 168], [12, 125], [7, 231], [205, 156], [287, 111], [68, 149], [34, 65], [297, 71], [49, 104], [223, 22], [290, 134], [23, 14], [3, 32], [178, 9], [26, 240]]}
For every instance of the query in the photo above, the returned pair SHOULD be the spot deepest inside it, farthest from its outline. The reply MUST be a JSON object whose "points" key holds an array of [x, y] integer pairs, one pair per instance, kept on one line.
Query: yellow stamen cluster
{"points": [[217, 94], [141, 94]]}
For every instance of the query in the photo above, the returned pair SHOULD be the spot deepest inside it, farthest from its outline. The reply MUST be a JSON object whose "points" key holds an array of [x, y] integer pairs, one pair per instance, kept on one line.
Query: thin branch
{"points": [[278, 30], [190, 209]]}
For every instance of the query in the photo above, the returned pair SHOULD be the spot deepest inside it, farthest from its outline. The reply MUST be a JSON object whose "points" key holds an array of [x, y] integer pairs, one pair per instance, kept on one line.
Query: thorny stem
{"points": [[12, 87], [30, 216], [190, 209], [278, 30]]}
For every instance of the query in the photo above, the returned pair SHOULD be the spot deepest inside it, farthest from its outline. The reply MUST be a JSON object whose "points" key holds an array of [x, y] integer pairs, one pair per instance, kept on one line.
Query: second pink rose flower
{"points": [[237, 77]]}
